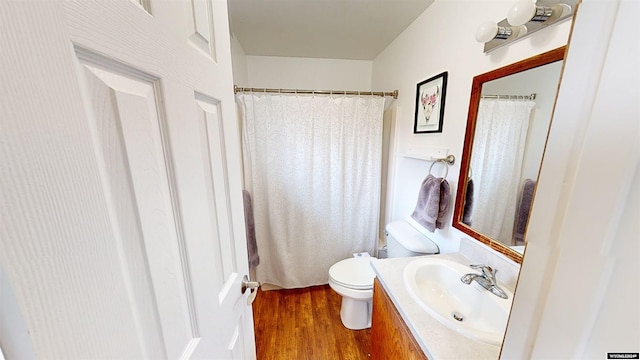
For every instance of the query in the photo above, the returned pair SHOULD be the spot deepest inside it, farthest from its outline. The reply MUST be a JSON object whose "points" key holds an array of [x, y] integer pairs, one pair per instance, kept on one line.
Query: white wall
{"points": [[307, 73], [239, 63], [442, 39]]}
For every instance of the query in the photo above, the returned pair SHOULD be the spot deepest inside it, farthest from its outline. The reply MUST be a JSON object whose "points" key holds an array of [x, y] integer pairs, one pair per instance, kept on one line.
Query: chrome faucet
{"points": [[487, 280]]}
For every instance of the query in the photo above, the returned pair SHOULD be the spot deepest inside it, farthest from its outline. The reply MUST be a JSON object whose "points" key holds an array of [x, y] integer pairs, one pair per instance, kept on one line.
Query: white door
{"points": [[122, 231]]}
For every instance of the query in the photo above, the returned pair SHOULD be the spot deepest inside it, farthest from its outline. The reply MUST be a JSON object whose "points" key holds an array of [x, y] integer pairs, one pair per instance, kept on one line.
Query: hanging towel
{"points": [[250, 228], [468, 204], [522, 216], [433, 203], [445, 195]]}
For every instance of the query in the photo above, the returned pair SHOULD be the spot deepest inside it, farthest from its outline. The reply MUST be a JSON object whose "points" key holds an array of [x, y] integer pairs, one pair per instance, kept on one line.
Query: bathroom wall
{"points": [[308, 73], [442, 39], [239, 63], [298, 73]]}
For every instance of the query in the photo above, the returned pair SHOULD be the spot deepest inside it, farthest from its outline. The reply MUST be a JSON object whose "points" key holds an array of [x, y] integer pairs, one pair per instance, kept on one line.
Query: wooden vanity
{"points": [[390, 336]]}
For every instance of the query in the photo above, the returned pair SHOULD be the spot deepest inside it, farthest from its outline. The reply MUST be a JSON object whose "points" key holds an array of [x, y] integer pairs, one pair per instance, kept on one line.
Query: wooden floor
{"points": [[305, 324]]}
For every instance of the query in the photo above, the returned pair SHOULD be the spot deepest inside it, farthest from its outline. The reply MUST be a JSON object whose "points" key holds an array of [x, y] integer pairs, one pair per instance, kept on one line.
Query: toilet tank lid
{"points": [[411, 238]]}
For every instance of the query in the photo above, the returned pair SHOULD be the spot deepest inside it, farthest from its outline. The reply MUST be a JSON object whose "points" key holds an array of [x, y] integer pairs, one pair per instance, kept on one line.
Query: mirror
{"points": [[509, 118]]}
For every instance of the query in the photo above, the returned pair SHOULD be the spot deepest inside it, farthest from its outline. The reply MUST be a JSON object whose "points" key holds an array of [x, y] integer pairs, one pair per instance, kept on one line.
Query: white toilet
{"points": [[352, 278]]}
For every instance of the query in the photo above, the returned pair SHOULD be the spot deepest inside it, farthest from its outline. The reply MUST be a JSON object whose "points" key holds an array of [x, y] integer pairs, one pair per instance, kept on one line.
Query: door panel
{"points": [[200, 20], [215, 163], [127, 126]]}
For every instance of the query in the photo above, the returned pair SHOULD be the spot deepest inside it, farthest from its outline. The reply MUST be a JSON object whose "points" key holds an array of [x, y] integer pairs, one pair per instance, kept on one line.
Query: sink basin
{"points": [[434, 283]]}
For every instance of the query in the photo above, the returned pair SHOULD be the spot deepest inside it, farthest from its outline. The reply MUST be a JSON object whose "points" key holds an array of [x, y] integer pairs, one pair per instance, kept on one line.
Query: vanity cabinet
{"points": [[390, 336]]}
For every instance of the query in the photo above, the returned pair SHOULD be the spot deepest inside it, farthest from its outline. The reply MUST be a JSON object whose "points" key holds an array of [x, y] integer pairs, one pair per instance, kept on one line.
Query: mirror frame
{"points": [[474, 102]]}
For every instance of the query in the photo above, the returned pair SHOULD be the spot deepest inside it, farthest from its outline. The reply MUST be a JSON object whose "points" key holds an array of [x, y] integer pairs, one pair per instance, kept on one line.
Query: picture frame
{"points": [[430, 100]]}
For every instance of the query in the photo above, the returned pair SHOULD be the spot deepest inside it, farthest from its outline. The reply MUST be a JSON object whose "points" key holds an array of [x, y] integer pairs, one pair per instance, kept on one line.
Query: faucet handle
{"points": [[487, 271]]}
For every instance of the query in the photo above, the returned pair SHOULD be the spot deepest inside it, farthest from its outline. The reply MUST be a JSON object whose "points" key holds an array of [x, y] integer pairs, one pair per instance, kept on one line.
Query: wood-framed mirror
{"points": [[509, 117]]}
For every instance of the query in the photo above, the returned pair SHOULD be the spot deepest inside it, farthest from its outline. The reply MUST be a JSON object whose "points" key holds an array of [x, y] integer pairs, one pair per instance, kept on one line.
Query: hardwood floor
{"points": [[305, 324]]}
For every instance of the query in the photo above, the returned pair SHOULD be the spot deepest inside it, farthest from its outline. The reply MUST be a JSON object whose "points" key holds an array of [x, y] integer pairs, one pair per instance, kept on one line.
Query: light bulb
{"points": [[521, 13], [486, 31]]}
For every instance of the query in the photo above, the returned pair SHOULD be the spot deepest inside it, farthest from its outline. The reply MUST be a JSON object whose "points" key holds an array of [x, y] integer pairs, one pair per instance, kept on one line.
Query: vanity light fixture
{"points": [[524, 18]]}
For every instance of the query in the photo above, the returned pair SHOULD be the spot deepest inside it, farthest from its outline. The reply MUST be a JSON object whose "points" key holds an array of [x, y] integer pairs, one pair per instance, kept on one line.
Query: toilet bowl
{"points": [[352, 278]]}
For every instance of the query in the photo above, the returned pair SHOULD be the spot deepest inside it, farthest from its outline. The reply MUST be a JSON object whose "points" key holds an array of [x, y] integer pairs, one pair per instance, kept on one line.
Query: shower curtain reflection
{"points": [[498, 150], [312, 165]]}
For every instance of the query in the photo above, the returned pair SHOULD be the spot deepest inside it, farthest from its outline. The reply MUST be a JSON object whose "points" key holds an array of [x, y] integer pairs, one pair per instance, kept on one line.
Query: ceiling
{"points": [[336, 29]]}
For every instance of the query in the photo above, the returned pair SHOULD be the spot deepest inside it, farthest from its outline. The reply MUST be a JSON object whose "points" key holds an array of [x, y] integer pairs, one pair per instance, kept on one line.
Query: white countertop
{"points": [[436, 340]]}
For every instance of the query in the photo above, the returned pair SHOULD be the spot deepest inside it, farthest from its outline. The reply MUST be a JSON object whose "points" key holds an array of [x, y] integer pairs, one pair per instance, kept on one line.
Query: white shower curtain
{"points": [[496, 163], [312, 165]]}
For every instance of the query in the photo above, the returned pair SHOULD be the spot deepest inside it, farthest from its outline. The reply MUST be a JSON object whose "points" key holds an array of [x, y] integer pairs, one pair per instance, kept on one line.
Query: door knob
{"points": [[252, 286]]}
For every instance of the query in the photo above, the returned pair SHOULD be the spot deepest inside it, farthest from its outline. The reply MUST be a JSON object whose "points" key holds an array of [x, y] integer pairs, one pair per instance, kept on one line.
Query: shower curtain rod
{"points": [[510, 97], [393, 94]]}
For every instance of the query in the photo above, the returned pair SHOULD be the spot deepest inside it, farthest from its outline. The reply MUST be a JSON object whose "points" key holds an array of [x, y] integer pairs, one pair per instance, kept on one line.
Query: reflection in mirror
{"points": [[509, 118], [507, 150]]}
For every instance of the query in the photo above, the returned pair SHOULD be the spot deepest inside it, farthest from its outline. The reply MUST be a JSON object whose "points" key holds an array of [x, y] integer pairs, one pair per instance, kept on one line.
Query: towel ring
{"points": [[446, 168]]}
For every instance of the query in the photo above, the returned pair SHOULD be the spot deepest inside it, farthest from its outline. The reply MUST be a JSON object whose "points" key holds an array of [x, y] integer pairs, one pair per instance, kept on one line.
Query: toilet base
{"points": [[355, 314]]}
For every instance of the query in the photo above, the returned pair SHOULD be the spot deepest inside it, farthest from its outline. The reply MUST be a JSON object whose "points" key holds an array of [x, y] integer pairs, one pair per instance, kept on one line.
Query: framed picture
{"points": [[430, 95]]}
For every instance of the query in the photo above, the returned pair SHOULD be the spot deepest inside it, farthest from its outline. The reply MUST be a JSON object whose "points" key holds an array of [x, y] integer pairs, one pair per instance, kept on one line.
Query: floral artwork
{"points": [[430, 96], [429, 99]]}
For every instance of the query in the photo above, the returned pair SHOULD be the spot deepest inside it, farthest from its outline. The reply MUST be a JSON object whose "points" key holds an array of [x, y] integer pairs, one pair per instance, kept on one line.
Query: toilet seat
{"points": [[353, 273]]}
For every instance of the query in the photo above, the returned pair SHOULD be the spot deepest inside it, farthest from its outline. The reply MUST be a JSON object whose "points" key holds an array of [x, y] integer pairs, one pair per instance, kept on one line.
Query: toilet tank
{"points": [[404, 240]]}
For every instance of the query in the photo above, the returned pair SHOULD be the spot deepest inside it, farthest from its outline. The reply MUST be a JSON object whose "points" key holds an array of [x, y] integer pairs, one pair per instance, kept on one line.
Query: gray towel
{"points": [[250, 228], [468, 204], [433, 203], [522, 216]]}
